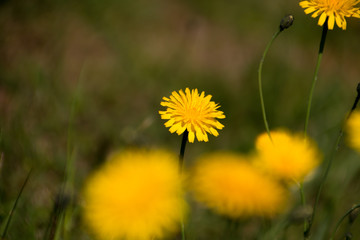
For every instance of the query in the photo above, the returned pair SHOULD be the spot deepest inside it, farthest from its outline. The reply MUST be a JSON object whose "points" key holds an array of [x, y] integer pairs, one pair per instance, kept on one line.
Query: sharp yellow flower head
{"points": [[334, 10], [288, 157], [137, 195], [193, 112], [228, 184], [353, 130]]}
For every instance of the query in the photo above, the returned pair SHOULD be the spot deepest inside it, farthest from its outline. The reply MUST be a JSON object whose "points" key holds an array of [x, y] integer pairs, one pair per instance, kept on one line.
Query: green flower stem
{"points": [[183, 230], [231, 229], [303, 203], [342, 219], [323, 179], [260, 81], [329, 163], [321, 50]]}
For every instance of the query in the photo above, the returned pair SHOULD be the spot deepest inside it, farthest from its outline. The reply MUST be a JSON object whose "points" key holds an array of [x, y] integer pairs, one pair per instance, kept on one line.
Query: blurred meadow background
{"points": [[79, 79]]}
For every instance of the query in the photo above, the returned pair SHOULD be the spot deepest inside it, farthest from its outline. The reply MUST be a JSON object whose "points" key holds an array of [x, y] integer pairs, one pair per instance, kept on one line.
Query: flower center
{"points": [[192, 114]]}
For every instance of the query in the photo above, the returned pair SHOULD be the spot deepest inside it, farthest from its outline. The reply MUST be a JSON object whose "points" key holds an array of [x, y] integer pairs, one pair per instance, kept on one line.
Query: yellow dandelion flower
{"points": [[333, 10], [192, 112], [287, 156], [137, 195], [228, 184], [353, 130]]}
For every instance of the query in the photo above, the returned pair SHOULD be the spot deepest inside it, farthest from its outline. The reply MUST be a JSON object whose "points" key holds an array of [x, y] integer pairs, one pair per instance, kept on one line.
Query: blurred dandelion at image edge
{"points": [[352, 129], [333, 10], [287, 156], [137, 194], [228, 184], [193, 112]]}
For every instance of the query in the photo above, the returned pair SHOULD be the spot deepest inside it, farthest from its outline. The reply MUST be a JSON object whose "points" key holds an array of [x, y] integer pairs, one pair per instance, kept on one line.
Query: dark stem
{"points": [[323, 37], [327, 169], [356, 99], [182, 149], [181, 162]]}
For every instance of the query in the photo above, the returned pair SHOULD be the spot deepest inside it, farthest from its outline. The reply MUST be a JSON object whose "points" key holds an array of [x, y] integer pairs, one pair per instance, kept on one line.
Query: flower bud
{"points": [[286, 22], [354, 214]]}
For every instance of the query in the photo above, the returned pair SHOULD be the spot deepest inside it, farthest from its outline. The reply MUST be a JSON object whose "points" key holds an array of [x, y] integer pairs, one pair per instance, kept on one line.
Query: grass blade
{"points": [[11, 213]]}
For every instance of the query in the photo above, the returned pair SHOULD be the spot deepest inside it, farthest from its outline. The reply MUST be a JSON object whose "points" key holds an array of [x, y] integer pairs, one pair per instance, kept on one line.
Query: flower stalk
{"points": [[285, 23], [181, 163], [320, 54], [260, 81], [328, 165], [182, 149], [303, 203]]}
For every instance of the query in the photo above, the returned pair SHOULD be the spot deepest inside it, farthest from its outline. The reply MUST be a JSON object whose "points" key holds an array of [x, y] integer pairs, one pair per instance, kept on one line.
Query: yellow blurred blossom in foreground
{"points": [[136, 195], [192, 112], [334, 10], [353, 130], [228, 184], [289, 157]]}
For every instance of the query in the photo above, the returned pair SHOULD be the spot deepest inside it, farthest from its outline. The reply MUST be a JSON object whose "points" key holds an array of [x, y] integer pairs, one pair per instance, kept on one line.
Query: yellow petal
{"points": [[181, 130], [191, 137], [175, 127], [344, 25], [218, 125], [304, 4], [331, 21], [316, 14], [309, 10], [322, 19], [206, 139], [169, 123], [214, 132], [178, 98], [199, 134], [338, 20]]}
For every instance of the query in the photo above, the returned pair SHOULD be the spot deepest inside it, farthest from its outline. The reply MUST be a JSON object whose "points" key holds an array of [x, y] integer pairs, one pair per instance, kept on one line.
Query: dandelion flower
{"points": [[137, 195], [353, 130], [192, 112], [287, 156], [231, 186], [333, 10]]}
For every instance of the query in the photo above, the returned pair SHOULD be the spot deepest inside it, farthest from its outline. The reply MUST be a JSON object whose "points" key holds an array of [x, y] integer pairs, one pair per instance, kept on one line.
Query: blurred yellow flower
{"points": [[334, 10], [289, 157], [192, 112], [353, 130], [136, 195], [228, 184]]}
